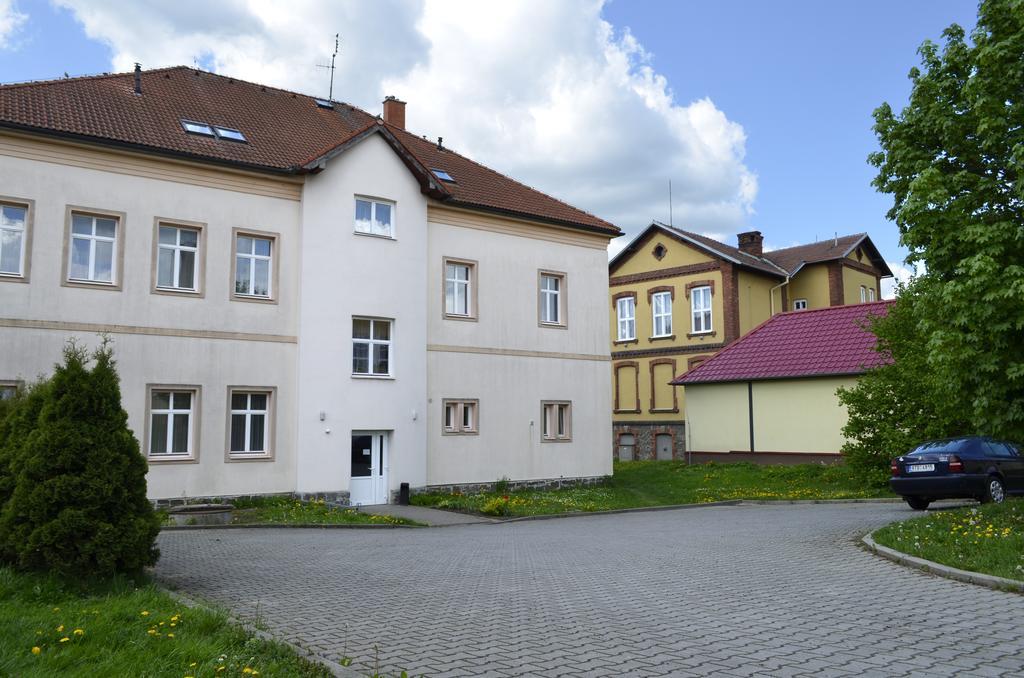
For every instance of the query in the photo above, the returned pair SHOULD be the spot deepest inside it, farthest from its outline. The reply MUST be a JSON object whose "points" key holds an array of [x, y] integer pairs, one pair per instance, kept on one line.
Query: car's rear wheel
{"points": [[918, 503], [995, 492]]}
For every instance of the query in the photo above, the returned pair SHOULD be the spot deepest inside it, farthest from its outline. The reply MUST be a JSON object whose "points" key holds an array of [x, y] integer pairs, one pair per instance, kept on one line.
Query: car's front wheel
{"points": [[995, 493], [917, 503]]}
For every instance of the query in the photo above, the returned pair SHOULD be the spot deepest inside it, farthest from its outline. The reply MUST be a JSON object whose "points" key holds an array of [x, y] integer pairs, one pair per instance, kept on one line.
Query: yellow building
{"points": [[677, 298]]}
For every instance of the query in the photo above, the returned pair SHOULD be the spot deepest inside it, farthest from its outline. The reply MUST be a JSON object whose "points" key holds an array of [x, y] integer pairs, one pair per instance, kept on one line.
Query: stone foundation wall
{"points": [[332, 498], [645, 434], [546, 484]]}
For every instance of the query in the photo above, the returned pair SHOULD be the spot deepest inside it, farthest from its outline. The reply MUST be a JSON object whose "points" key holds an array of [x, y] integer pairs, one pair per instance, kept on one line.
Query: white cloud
{"points": [[547, 92], [901, 274], [11, 21]]}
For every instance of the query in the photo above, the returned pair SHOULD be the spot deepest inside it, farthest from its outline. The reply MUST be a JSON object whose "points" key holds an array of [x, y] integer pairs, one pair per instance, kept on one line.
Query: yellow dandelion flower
{"points": [[64, 639], [79, 632], [36, 649], [173, 624], [152, 632], [60, 629], [219, 669], [56, 609], [170, 635], [145, 613], [247, 670]]}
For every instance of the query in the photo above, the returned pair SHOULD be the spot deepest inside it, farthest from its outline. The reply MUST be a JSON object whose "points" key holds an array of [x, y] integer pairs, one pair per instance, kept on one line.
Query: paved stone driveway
{"points": [[732, 591]]}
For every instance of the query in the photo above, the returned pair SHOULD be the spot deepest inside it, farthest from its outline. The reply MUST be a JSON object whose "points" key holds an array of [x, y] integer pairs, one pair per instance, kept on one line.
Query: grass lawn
{"points": [[68, 629], [290, 511], [659, 483], [987, 538]]}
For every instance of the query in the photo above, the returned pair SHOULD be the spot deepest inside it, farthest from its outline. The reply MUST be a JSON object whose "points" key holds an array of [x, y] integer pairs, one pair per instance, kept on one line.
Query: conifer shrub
{"points": [[77, 480]]}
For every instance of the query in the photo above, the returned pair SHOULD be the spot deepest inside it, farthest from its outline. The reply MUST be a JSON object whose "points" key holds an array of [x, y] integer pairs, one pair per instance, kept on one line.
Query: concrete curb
{"points": [[987, 580], [302, 526], [334, 667], [641, 509], [862, 500]]}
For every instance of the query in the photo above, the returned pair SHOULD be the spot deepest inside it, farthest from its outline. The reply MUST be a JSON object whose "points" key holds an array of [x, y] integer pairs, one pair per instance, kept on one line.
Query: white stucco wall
{"points": [[158, 357], [345, 274], [510, 388]]}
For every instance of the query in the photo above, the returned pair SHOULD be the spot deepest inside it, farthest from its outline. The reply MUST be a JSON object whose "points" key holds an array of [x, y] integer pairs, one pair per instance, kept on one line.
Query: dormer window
{"points": [[442, 175], [197, 128]]}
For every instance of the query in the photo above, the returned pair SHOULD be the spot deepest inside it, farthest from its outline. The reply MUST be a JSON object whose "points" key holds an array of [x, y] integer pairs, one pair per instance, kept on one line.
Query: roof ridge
{"points": [[95, 76], [761, 259], [505, 176], [816, 242]]}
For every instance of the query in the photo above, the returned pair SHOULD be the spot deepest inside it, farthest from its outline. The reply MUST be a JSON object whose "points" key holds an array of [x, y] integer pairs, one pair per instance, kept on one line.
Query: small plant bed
{"points": [[987, 538], [663, 483], [291, 511], [53, 627]]}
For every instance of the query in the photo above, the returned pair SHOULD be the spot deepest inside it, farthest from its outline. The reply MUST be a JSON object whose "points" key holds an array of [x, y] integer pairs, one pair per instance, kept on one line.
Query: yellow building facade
{"points": [[677, 298]]}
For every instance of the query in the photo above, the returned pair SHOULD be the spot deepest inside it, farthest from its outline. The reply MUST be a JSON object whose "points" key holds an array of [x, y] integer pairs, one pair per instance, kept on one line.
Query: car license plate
{"points": [[919, 468]]}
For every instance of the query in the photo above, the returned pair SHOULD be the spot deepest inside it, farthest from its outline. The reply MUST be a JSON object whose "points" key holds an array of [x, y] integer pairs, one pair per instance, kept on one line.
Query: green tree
{"points": [[78, 504], [953, 160]]}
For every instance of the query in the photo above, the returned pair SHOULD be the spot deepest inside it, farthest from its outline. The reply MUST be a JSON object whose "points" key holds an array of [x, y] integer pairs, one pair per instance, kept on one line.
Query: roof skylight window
{"points": [[229, 134], [442, 175], [323, 103], [197, 128]]}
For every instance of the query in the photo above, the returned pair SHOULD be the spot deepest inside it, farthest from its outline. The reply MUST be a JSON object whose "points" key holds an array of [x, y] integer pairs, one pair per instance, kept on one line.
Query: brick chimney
{"points": [[751, 242], [394, 112]]}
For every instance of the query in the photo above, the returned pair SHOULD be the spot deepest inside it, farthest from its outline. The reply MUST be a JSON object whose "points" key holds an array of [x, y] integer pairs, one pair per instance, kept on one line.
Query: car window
{"points": [[997, 449], [961, 446]]}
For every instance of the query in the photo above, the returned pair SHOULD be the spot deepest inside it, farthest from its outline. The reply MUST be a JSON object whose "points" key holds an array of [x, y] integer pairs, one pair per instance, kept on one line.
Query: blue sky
{"points": [[800, 78]]}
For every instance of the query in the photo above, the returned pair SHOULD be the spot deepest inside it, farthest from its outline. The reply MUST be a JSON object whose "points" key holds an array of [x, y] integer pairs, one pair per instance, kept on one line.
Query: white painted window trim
{"points": [[253, 258], [863, 294], [697, 311], [552, 297], [799, 304], [871, 294], [23, 230], [371, 342], [661, 313], [93, 238], [248, 413], [374, 202], [625, 308], [193, 423], [176, 250], [463, 285]]}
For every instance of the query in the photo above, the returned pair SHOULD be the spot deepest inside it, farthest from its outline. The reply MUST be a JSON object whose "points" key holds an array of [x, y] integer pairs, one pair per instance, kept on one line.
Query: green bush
{"points": [[76, 481]]}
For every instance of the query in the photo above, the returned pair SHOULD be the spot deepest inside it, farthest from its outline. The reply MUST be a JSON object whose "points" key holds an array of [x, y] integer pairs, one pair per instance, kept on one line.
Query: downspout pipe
{"points": [[771, 294]]}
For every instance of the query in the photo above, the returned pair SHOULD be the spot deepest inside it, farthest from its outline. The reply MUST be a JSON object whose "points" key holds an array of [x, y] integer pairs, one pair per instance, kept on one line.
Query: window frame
{"points": [[275, 265], [563, 294], [555, 405], [619, 318], [710, 310], [863, 294], [195, 423], [797, 305], [390, 343], [16, 384], [472, 293], [269, 430], [655, 315], [374, 201], [200, 266], [117, 256], [871, 295], [26, 238], [459, 428]]}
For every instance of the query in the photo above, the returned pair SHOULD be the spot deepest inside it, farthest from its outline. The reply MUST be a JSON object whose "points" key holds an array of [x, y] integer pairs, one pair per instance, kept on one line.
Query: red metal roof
{"points": [[285, 132], [817, 342]]}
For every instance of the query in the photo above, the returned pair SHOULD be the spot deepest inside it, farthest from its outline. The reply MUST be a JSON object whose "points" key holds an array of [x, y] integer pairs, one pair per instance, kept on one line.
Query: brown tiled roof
{"points": [[285, 132], [790, 258], [734, 253]]}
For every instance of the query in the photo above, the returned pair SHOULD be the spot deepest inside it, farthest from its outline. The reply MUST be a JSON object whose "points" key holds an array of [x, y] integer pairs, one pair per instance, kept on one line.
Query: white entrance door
{"points": [[369, 484]]}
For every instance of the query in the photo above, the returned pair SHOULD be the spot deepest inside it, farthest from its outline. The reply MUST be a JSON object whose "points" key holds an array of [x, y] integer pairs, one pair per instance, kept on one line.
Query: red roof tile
{"points": [[818, 342], [285, 132]]}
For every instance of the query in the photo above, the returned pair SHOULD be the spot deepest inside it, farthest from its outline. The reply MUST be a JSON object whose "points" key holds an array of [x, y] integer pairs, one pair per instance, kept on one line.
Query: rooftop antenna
{"points": [[670, 203], [330, 93]]}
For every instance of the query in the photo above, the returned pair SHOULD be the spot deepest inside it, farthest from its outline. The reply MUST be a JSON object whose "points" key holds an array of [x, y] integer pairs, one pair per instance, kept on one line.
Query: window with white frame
{"points": [[93, 249], [375, 217], [8, 389], [371, 347], [254, 264], [13, 238], [552, 298], [171, 422], [459, 288], [661, 308], [863, 294], [625, 308], [177, 256], [556, 421], [700, 309], [799, 304], [249, 432], [871, 294], [460, 416]]}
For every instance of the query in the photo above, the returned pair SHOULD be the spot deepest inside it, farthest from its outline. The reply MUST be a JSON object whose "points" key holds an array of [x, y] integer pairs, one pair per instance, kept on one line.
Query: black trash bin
{"points": [[403, 494]]}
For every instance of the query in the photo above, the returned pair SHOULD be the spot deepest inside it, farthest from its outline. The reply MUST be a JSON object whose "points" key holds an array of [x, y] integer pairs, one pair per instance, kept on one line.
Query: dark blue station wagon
{"points": [[971, 467]]}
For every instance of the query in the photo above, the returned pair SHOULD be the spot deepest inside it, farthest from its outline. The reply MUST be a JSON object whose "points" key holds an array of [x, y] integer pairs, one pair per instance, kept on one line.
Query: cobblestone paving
{"points": [[724, 591]]}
